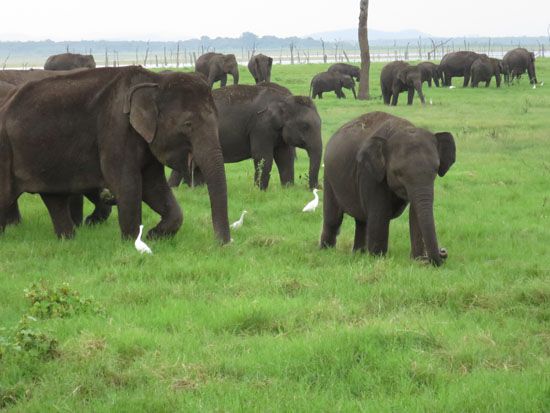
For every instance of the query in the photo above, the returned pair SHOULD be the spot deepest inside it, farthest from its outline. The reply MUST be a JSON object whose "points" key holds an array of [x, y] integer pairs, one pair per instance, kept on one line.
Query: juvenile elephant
{"points": [[260, 68], [113, 128], [216, 66], [331, 81], [266, 123], [374, 166], [483, 69], [458, 64], [430, 73], [517, 62], [69, 61], [346, 69], [397, 77]]}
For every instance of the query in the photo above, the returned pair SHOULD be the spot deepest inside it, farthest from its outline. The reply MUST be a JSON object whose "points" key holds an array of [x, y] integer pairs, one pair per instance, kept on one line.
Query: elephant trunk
{"points": [[235, 74], [422, 200], [418, 87], [210, 161], [532, 74], [353, 91], [315, 153]]}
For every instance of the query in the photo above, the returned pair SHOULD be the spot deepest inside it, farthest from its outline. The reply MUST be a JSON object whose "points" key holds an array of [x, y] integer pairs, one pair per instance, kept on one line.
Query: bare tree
{"points": [[364, 93]]}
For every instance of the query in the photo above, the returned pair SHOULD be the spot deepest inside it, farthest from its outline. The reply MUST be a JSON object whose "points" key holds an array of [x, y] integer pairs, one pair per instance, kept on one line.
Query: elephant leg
{"points": [[76, 206], [395, 97], [126, 187], [13, 216], [284, 159], [158, 195], [223, 80], [360, 241], [386, 94], [487, 83], [429, 82], [466, 79], [262, 170], [175, 178], [410, 96], [58, 207], [377, 233], [332, 218], [101, 211], [417, 243]]}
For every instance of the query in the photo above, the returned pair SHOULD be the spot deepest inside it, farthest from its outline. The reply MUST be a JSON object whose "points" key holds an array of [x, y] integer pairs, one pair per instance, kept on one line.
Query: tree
{"points": [[364, 93]]}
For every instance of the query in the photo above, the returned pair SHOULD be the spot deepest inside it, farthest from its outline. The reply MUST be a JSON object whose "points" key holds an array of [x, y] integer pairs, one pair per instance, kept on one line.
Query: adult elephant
{"points": [[69, 61], [6, 89], [518, 61], [483, 70], [260, 68], [430, 73], [458, 64], [266, 123], [113, 128], [216, 66], [397, 77], [19, 77], [329, 82], [345, 69], [374, 166]]}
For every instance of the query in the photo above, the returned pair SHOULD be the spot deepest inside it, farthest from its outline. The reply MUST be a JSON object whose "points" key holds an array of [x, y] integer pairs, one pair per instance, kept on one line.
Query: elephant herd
{"points": [[399, 76], [74, 130]]}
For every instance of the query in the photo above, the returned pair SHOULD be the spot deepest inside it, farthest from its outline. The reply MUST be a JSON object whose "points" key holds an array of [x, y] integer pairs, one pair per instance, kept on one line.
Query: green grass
{"points": [[271, 323]]}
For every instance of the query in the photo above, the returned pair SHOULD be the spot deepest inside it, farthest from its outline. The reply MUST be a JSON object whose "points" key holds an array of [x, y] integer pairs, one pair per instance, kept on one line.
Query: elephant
{"points": [[18, 77], [397, 77], [458, 64], [266, 122], [69, 61], [483, 69], [346, 69], [260, 68], [216, 66], [111, 128], [430, 73], [331, 81], [518, 61], [6, 89], [374, 166]]}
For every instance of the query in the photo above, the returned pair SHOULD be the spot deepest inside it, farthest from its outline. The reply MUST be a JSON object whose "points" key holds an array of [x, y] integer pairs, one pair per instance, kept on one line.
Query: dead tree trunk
{"points": [[364, 93]]}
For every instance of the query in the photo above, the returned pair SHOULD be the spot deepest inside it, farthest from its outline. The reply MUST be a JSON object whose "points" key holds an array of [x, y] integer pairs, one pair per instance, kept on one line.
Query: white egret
{"points": [[239, 223], [312, 205], [140, 245], [431, 101]]}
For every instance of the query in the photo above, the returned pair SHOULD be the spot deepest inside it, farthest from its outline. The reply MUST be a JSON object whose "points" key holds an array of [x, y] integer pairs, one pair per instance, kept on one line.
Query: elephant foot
{"points": [[97, 218], [157, 233], [443, 253]]}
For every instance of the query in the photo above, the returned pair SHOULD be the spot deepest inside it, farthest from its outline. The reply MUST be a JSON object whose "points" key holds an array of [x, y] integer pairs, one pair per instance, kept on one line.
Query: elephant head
{"points": [[300, 123], [409, 160], [87, 61], [261, 68], [175, 116], [410, 77], [229, 65], [348, 82]]}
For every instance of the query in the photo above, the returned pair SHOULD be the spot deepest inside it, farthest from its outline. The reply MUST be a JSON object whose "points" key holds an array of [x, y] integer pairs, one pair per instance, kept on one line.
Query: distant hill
{"points": [[351, 35]]}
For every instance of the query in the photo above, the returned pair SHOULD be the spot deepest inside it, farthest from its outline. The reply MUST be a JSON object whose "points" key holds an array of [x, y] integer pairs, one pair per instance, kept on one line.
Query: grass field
{"points": [[270, 322]]}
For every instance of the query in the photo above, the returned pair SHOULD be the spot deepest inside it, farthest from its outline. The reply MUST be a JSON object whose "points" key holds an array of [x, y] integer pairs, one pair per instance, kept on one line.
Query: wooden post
{"points": [[106, 58], [291, 53], [364, 93], [178, 55]]}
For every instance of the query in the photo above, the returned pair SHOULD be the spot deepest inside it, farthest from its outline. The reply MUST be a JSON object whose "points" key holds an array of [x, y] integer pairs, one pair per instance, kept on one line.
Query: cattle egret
{"points": [[312, 205], [140, 245], [431, 101], [534, 86], [239, 223], [452, 87]]}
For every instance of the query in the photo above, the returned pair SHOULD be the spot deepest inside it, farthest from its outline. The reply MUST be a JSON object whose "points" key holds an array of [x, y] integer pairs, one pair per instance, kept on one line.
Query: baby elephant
{"points": [[374, 166], [331, 81]]}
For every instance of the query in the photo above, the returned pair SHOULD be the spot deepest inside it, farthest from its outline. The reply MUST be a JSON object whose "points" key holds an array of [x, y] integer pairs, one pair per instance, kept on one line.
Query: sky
{"points": [[63, 20]]}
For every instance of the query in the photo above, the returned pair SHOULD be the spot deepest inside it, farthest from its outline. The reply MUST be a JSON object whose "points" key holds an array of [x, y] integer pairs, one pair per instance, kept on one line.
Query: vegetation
{"points": [[271, 323]]}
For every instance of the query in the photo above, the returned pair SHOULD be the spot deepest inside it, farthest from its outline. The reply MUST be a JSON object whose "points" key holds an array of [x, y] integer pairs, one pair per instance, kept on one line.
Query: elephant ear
{"points": [[141, 106], [371, 156], [275, 112], [447, 151], [270, 61], [402, 76]]}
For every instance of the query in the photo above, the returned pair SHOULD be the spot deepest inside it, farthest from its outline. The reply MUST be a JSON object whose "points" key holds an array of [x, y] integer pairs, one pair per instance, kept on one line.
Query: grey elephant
{"points": [[517, 62], [19, 77], [216, 66], [331, 81], [397, 77], [458, 64], [114, 128], [430, 73], [346, 69], [374, 166], [6, 89], [259, 66], [69, 61], [265, 122], [483, 70]]}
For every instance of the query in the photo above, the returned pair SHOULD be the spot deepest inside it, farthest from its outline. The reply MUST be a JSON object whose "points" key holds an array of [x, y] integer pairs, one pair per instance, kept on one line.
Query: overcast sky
{"points": [[182, 19]]}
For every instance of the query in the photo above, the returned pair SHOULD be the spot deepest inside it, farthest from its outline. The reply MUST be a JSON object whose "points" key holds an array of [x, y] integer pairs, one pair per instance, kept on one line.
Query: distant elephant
{"points": [[266, 122], [260, 68], [18, 77], [331, 81], [69, 61], [374, 166], [397, 77], [430, 72], [346, 69], [519, 61], [458, 64], [216, 66], [114, 128], [484, 68]]}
